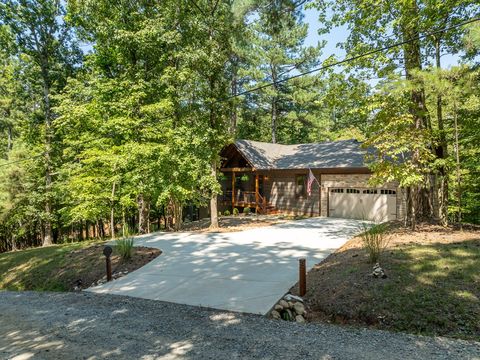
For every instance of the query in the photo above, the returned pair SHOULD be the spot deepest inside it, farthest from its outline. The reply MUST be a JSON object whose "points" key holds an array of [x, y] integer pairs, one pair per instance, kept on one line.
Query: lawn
{"points": [[63, 267], [432, 285]]}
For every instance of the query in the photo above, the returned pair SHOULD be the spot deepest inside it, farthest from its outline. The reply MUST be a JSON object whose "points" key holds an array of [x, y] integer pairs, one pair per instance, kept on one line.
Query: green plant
{"points": [[235, 212], [219, 214], [246, 210], [227, 213], [374, 240], [244, 177], [125, 248]]}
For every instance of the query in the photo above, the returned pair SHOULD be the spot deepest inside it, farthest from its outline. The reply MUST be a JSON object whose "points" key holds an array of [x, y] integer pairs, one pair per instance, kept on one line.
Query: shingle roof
{"points": [[325, 155]]}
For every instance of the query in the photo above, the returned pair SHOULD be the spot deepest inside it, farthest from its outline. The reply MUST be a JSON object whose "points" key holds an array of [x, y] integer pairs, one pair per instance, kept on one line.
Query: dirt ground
{"points": [[432, 285], [77, 278], [235, 223]]}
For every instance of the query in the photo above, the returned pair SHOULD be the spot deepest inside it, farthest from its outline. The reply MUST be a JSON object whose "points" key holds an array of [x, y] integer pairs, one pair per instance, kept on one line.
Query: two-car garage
{"points": [[362, 203]]}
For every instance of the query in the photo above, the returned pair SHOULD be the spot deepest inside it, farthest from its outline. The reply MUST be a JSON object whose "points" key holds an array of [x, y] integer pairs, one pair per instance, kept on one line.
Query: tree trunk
{"points": [[233, 116], [142, 214], [177, 210], [274, 120], [441, 151], [148, 218], [412, 61], [48, 234], [213, 200], [274, 110], [112, 212], [458, 174]]}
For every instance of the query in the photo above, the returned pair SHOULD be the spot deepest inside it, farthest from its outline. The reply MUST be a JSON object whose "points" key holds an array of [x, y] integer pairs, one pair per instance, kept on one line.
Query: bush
{"points": [[125, 248], [219, 214], [374, 241], [235, 212], [226, 213], [246, 210]]}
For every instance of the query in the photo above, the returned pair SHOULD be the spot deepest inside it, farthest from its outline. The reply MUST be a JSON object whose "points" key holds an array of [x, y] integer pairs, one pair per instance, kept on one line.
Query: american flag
{"points": [[310, 180]]}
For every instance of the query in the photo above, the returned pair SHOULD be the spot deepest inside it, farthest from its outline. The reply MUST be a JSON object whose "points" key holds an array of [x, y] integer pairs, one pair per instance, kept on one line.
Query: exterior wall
{"points": [[280, 192], [357, 180], [280, 189]]}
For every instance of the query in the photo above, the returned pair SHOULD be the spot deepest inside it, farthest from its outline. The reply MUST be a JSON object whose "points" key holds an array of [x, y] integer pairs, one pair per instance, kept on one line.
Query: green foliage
{"points": [[246, 210], [374, 240], [235, 212], [226, 213], [124, 247]]}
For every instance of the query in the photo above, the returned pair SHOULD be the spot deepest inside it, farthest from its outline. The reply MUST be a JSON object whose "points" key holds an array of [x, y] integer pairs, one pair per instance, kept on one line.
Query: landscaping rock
{"points": [[299, 319], [288, 315], [378, 271], [290, 297], [299, 308], [289, 308], [275, 314]]}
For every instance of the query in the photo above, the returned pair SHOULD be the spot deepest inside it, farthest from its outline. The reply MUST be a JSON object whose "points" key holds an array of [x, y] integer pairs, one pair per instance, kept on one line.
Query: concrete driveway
{"points": [[245, 271]]}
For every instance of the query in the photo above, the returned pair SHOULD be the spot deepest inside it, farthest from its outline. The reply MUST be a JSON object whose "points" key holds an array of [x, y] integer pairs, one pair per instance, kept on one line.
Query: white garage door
{"points": [[369, 204]]}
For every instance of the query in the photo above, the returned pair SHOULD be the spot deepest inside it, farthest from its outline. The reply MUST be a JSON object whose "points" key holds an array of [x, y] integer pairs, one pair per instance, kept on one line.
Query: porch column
{"points": [[256, 193], [233, 189]]}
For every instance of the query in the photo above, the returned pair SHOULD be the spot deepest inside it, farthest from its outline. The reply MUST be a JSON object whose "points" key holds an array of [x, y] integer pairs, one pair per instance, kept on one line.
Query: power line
{"points": [[349, 59], [352, 58]]}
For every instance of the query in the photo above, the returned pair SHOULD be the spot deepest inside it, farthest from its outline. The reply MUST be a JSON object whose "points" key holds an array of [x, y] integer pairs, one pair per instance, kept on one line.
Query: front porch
{"points": [[241, 188]]}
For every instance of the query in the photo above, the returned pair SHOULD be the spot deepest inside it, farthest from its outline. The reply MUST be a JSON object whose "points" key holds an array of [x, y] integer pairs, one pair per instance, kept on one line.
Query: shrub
{"points": [[235, 212], [246, 210], [125, 248], [219, 214], [226, 213], [374, 241]]}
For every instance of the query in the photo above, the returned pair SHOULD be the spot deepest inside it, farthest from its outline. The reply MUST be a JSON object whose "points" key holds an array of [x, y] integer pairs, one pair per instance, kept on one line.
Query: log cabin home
{"points": [[272, 179]]}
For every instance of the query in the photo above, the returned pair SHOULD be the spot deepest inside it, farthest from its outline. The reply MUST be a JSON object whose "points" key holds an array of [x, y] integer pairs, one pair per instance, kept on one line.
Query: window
{"points": [[370, 191], [388, 192], [336, 190], [300, 189], [353, 191]]}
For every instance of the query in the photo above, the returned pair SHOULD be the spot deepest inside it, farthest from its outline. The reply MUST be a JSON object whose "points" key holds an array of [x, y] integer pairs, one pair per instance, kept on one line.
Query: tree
{"points": [[376, 25], [278, 51], [45, 39]]}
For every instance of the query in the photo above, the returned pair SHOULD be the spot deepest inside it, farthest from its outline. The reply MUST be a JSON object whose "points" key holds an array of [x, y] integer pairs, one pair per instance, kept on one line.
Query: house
{"points": [[272, 178]]}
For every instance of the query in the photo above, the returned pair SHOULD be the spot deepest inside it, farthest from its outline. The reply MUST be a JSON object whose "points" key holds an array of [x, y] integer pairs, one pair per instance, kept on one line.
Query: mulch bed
{"points": [[85, 267], [233, 223]]}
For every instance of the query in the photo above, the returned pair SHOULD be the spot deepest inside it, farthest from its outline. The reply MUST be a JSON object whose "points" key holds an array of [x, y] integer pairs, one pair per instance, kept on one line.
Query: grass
{"points": [[64, 267], [38, 268], [432, 288]]}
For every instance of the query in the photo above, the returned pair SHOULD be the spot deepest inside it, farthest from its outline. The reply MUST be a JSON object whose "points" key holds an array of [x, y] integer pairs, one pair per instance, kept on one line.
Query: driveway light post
{"points": [[302, 277], [107, 251]]}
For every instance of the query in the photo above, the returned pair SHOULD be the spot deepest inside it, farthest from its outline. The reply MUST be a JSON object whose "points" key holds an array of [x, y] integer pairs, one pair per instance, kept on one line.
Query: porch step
{"points": [[271, 209]]}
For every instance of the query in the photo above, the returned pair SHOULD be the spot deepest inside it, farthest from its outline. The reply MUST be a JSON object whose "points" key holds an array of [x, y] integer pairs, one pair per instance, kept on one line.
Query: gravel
{"points": [[92, 326]]}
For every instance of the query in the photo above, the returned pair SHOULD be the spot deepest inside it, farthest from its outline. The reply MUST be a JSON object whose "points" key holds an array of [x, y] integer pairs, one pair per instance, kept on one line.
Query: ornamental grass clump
{"points": [[125, 248], [375, 241]]}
